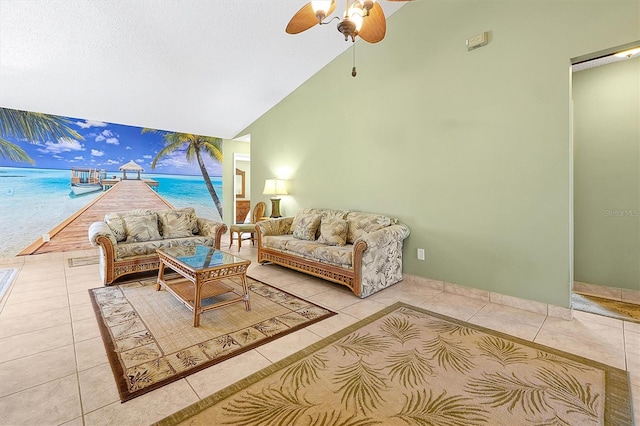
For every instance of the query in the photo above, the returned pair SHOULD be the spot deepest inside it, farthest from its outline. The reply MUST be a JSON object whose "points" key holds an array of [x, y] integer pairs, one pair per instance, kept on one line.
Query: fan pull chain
{"points": [[353, 70]]}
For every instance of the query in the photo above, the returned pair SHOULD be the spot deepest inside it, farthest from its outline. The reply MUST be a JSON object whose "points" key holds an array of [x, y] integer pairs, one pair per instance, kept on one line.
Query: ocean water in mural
{"points": [[34, 201]]}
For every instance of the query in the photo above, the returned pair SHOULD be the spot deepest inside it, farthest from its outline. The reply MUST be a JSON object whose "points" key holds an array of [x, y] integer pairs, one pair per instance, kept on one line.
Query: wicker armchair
{"points": [[247, 228]]}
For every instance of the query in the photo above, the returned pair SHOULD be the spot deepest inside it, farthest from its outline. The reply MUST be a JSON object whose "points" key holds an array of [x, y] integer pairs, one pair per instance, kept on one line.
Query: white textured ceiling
{"points": [[202, 66]]}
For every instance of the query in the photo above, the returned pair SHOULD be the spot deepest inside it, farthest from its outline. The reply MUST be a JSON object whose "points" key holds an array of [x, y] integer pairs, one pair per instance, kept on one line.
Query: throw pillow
{"points": [[115, 223], [333, 231], [141, 228], [177, 223], [296, 219], [340, 214], [307, 227]]}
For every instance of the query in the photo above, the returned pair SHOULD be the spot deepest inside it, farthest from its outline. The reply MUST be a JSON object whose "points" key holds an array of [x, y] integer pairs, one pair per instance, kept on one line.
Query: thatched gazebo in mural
{"points": [[131, 166]]}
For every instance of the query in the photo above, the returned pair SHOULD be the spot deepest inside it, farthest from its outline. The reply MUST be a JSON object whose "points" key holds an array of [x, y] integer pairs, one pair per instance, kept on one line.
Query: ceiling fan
{"points": [[363, 18]]}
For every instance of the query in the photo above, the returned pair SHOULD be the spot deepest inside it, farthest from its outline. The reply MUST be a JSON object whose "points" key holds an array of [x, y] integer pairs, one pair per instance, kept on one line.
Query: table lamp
{"points": [[275, 187]]}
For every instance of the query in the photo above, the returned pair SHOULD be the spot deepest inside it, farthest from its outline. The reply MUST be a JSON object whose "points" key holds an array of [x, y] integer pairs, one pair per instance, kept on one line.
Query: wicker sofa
{"points": [[128, 240], [362, 251]]}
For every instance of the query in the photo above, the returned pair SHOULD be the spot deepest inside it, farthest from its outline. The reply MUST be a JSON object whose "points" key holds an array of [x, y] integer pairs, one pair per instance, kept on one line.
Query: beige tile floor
{"points": [[54, 370]]}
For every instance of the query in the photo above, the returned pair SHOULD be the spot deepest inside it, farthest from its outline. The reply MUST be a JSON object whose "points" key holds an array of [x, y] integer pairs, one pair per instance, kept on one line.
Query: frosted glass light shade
{"points": [[320, 6], [355, 14]]}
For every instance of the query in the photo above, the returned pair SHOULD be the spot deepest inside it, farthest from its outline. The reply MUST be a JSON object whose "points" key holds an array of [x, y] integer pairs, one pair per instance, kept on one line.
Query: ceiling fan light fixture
{"points": [[356, 15], [348, 28], [316, 12], [321, 8]]}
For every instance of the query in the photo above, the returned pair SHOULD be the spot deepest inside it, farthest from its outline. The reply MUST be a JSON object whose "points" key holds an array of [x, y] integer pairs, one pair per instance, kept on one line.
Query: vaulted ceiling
{"points": [[198, 66]]}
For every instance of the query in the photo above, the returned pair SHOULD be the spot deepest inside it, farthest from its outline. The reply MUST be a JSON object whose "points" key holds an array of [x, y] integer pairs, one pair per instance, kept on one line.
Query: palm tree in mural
{"points": [[196, 145], [32, 126]]}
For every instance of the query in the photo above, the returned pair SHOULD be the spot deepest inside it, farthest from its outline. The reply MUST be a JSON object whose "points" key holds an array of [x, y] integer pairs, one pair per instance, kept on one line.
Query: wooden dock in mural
{"points": [[72, 234]]}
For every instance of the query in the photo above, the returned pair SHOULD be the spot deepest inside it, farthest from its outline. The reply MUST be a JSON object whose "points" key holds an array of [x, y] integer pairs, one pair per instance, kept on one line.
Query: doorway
{"points": [[605, 93], [241, 187]]}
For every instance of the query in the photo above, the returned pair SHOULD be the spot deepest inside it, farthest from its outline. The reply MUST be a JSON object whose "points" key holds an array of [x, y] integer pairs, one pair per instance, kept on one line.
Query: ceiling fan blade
{"points": [[332, 7], [306, 18], [374, 26]]}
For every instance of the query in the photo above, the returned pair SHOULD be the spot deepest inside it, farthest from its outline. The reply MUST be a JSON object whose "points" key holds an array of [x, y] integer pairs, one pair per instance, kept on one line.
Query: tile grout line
{"points": [[627, 355], [75, 350], [589, 343], [544, 321]]}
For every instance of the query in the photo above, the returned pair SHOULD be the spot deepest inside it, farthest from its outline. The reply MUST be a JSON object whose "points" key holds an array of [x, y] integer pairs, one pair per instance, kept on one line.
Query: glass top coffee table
{"points": [[200, 272]]}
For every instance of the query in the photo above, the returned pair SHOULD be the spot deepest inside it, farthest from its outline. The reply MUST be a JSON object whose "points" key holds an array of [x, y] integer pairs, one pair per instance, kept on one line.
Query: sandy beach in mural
{"points": [[34, 201]]}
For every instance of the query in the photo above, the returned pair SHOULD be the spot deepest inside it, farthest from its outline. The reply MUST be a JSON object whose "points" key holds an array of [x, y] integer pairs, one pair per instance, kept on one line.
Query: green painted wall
{"points": [[607, 174], [470, 149]]}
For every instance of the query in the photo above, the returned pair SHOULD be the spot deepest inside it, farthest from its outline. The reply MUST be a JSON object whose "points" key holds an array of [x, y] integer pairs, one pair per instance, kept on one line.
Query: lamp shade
{"points": [[275, 187], [320, 6]]}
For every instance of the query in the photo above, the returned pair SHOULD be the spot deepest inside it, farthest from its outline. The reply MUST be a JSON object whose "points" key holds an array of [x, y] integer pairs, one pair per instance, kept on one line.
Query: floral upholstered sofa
{"points": [[360, 250], [128, 240]]}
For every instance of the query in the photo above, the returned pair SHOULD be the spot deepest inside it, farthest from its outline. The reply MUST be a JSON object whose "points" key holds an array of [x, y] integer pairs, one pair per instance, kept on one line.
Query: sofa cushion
{"points": [[177, 223], [278, 242], [336, 255], [116, 222], [141, 228], [303, 247], [307, 226], [125, 250], [361, 224], [333, 231]]}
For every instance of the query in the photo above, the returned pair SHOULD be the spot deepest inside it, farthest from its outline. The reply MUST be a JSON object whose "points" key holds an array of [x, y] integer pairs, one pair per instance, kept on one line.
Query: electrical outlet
{"points": [[46, 238], [420, 254]]}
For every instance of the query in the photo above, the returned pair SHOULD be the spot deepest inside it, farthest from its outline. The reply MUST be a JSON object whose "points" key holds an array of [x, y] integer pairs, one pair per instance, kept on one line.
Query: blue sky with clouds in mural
{"points": [[108, 146]]}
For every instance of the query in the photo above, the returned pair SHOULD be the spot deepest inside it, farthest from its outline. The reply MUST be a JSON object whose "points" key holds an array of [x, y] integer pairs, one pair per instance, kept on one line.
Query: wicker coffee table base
{"points": [[191, 287]]}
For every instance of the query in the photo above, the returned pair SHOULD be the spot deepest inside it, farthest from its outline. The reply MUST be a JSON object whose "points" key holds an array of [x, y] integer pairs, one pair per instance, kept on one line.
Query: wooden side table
{"points": [[243, 207], [200, 270]]}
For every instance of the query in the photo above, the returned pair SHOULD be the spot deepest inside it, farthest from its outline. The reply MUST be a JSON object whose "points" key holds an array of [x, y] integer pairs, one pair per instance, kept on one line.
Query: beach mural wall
{"points": [[38, 152]]}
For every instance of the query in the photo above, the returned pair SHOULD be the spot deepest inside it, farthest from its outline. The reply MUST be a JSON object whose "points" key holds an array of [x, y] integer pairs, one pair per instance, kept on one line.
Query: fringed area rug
{"points": [[407, 366], [605, 307], [151, 341]]}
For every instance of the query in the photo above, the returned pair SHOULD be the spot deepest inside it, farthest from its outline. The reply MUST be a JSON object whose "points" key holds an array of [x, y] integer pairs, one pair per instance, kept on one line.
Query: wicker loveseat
{"points": [[360, 250], [128, 240]]}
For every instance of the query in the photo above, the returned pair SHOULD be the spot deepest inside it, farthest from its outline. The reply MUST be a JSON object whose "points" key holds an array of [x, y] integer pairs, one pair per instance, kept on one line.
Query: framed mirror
{"points": [[240, 183]]}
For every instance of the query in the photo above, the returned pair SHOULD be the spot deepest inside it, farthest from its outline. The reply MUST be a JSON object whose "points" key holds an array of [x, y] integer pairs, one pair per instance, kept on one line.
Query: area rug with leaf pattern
{"points": [[151, 341], [408, 366]]}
